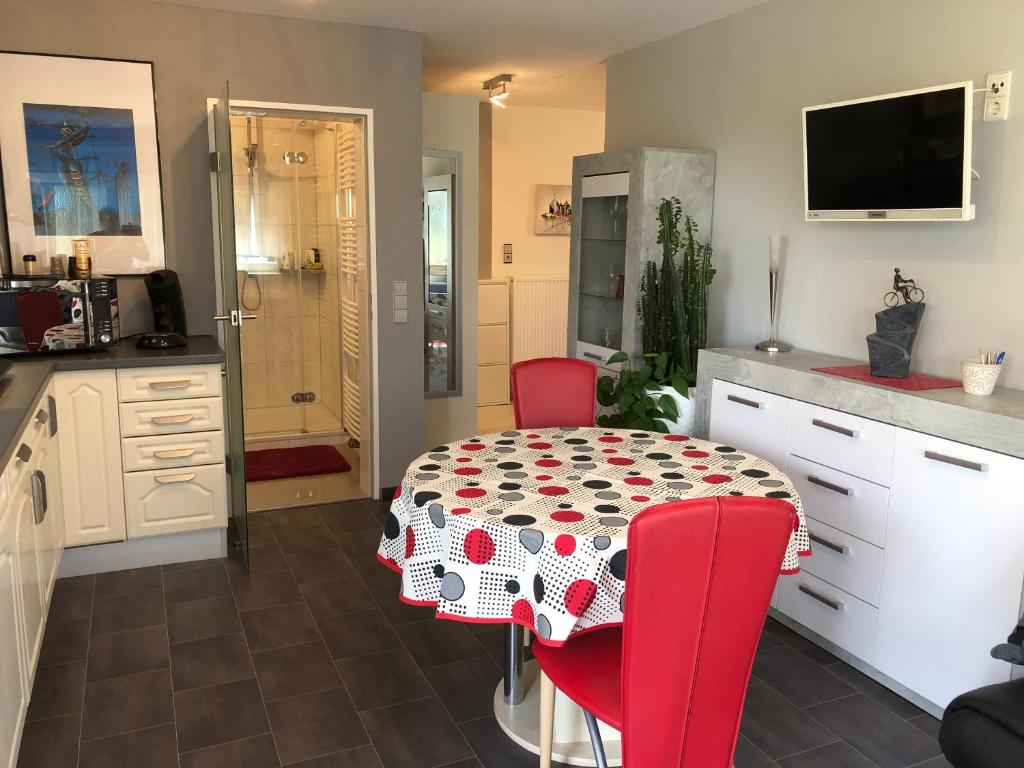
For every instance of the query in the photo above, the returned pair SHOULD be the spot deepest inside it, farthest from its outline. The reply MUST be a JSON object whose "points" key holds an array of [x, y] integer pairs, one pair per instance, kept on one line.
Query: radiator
{"points": [[540, 317]]}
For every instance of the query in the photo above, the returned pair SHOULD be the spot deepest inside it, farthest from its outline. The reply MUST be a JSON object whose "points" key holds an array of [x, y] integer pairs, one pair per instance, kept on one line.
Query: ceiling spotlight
{"points": [[497, 90]]}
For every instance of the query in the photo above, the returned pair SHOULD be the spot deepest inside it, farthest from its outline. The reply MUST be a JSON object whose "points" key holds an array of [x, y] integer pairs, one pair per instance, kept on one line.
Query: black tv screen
{"points": [[903, 152]]}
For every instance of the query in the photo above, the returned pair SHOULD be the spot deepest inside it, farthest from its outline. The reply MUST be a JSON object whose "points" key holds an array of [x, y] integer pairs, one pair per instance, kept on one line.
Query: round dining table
{"points": [[528, 528]]}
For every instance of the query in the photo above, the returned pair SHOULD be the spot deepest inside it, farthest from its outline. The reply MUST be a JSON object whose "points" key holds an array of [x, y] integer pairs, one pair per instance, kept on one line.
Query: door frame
{"points": [[371, 226]]}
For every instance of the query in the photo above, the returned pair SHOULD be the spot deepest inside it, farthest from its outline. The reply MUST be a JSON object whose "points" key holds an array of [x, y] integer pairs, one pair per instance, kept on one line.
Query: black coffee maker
{"points": [[170, 326]]}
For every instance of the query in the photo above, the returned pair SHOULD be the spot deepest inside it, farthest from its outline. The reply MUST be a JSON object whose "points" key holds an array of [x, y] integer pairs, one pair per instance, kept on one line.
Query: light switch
{"points": [[506, 253], [400, 288], [401, 315], [401, 302]]}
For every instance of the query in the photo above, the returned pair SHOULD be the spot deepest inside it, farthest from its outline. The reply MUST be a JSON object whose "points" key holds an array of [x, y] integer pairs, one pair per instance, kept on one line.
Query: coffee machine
{"points": [[169, 323]]}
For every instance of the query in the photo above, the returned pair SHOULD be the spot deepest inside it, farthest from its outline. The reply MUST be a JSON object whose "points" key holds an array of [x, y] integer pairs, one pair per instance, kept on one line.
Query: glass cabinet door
{"points": [[602, 260]]}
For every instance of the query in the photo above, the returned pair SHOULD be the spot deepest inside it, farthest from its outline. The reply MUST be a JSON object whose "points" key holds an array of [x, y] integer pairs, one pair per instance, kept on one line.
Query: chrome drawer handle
{"points": [[593, 356], [182, 478], [835, 605], [835, 428], [42, 416], [972, 465], [178, 384], [39, 500], [178, 418], [24, 454], [830, 486], [842, 549], [744, 401], [174, 453]]}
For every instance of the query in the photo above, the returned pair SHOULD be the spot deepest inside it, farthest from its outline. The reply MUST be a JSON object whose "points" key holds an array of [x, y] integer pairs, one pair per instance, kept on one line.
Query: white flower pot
{"points": [[685, 406]]}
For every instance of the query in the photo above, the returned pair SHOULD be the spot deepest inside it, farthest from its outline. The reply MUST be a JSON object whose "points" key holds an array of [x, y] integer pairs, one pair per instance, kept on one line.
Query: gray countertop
{"points": [[21, 387], [995, 422]]}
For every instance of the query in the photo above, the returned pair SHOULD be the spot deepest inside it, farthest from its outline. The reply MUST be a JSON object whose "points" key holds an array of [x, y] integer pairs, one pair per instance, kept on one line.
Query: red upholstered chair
{"points": [[672, 679], [554, 392]]}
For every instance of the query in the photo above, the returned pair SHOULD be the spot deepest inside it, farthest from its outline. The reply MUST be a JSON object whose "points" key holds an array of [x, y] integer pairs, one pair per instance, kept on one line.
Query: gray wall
{"points": [[737, 86], [268, 59]]}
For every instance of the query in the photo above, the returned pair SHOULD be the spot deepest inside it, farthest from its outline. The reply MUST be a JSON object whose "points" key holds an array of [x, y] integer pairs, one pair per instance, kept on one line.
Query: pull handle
{"points": [[975, 466], [176, 418], [184, 477], [593, 356], [814, 479], [51, 405], [174, 453], [39, 501], [42, 416], [842, 549], [835, 428], [177, 384], [835, 605], [744, 401], [24, 454]]}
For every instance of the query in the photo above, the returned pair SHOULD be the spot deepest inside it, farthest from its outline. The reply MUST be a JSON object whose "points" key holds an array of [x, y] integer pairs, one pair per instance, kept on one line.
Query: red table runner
{"points": [[915, 382]]}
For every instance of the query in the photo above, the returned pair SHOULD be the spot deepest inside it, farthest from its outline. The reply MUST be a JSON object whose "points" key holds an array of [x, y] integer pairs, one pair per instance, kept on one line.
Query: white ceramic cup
{"points": [[979, 378]]}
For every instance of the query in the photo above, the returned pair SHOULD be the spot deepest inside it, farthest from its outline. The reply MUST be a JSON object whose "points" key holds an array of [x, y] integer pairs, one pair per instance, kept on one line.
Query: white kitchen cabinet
{"points": [[751, 420], [168, 382], [858, 446], [174, 500], [13, 669], [90, 456], [172, 416], [51, 532], [27, 551], [954, 565], [832, 613], [164, 451], [843, 501]]}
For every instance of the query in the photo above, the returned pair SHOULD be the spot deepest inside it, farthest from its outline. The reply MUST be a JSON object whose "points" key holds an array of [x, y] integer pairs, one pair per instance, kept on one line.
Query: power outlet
{"points": [[997, 96]]}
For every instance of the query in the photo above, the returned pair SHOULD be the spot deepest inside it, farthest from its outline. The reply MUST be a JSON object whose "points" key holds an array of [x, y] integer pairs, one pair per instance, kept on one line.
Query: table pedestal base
{"points": [[521, 722]]}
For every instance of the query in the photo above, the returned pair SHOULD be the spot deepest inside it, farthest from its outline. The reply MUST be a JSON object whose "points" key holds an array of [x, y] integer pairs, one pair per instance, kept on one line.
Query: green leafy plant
{"points": [[630, 394]]}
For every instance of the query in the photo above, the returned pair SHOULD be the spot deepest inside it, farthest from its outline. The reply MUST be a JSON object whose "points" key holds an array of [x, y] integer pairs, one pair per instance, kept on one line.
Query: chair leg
{"points": [[595, 740], [547, 719]]}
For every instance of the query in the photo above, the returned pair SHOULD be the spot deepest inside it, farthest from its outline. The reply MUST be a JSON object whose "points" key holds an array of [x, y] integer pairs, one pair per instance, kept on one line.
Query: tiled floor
{"points": [[312, 661]]}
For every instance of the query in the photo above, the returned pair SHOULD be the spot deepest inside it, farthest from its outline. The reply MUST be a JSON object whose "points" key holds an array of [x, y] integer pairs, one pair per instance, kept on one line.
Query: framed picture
{"points": [[79, 159], [553, 207]]}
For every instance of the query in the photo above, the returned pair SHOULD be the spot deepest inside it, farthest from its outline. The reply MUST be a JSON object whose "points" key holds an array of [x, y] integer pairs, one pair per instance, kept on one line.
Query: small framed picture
{"points": [[553, 209], [79, 158]]}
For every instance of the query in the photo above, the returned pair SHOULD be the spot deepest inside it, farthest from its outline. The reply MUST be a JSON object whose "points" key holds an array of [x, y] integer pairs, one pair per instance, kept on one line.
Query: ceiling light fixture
{"points": [[497, 90]]}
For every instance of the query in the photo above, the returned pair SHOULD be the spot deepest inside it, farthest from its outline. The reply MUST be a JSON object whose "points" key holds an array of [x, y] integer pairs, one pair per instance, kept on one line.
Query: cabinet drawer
{"points": [[842, 501], [861, 447], [492, 345], [844, 561], [492, 384], [751, 420], [493, 303], [834, 614], [175, 500], [162, 418], [170, 383], [160, 451]]}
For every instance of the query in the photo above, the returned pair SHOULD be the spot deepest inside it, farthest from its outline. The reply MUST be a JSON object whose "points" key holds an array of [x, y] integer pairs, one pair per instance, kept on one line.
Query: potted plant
{"points": [[672, 310]]}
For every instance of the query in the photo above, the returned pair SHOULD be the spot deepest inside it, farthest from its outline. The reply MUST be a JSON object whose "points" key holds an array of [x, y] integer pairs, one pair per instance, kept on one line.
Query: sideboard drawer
{"points": [[842, 501], [168, 383], [165, 451], [750, 420], [175, 500], [861, 447], [162, 418], [834, 614], [844, 561]]}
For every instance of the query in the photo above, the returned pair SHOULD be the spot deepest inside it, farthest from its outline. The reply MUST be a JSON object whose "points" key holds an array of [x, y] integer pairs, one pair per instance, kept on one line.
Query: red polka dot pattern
{"points": [[565, 545], [478, 546], [579, 595], [410, 542]]}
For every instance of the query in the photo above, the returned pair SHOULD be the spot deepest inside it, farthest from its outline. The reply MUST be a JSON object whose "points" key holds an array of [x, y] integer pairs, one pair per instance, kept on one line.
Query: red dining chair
{"points": [[554, 392], [672, 679]]}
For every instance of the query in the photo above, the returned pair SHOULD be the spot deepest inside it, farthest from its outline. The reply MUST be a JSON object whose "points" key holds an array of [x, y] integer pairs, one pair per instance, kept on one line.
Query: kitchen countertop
{"points": [[21, 387]]}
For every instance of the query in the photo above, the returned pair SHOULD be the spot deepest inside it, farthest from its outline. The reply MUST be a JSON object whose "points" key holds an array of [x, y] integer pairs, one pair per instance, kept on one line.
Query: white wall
{"points": [[529, 146], [452, 122], [737, 86]]}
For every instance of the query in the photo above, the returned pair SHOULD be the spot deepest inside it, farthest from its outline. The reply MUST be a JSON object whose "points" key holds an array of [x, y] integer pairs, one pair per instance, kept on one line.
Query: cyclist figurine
{"points": [[906, 288]]}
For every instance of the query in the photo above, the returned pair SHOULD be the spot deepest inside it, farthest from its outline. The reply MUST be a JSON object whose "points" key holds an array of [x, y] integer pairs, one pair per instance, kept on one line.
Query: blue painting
{"points": [[83, 171]]}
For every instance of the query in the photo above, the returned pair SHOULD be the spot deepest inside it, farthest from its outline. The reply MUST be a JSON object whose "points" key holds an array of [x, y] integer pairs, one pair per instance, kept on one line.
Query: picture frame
{"points": [[80, 158], [552, 209]]}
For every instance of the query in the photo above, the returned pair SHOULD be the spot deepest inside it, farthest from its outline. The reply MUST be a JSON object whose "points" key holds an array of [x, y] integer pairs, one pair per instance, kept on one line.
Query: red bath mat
{"points": [[304, 461], [915, 382]]}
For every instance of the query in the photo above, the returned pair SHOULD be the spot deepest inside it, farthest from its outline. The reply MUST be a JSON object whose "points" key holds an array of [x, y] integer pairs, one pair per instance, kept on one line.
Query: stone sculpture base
{"points": [[890, 346]]}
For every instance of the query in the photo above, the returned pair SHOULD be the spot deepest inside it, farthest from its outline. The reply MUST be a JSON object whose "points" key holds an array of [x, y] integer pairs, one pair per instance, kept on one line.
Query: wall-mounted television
{"points": [[898, 157]]}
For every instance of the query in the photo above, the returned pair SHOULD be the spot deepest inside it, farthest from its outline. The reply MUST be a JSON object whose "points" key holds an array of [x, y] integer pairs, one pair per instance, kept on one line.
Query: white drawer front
{"points": [[492, 345], [751, 420], [834, 614], [168, 383], [492, 384], [175, 500], [858, 446], [160, 451], [493, 303], [162, 418], [844, 561], [845, 502]]}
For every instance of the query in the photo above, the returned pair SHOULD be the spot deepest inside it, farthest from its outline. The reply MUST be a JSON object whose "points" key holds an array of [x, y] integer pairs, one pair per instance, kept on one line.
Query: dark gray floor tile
{"points": [[798, 679], [876, 732], [126, 582], [57, 690], [469, 763], [360, 757], [875, 691], [199, 619], [399, 612], [254, 752], [260, 531], [188, 565], [357, 634], [127, 703], [210, 661], [152, 747], [297, 517], [349, 516], [439, 642], [335, 596], [75, 582], [70, 604], [816, 653], [131, 611], [466, 688], [416, 734], [218, 714], [195, 584], [50, 743], [777, 727], [263, 590], [926, 723], [319, 564], [374, 574], [382, 679], [279, 625], [315, 724], [64, 641], [494, 748], [263, 558], [935, 762], [767, 640], [749, 756], [359, 543], [127, 653], [837, 755], [305, 539], [294, 670]]}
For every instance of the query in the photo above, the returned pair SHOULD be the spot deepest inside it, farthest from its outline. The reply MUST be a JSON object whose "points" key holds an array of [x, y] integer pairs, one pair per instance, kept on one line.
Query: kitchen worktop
{"points": [[22, 385]]}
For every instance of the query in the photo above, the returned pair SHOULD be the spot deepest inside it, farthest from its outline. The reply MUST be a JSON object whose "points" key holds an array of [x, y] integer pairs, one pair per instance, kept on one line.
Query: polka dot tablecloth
{"points": [[530, 526]]}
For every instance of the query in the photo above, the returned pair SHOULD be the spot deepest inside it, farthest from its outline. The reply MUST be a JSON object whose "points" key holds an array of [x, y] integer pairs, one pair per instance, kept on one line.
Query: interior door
{"points": [[438, 283], [231, 318]]}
